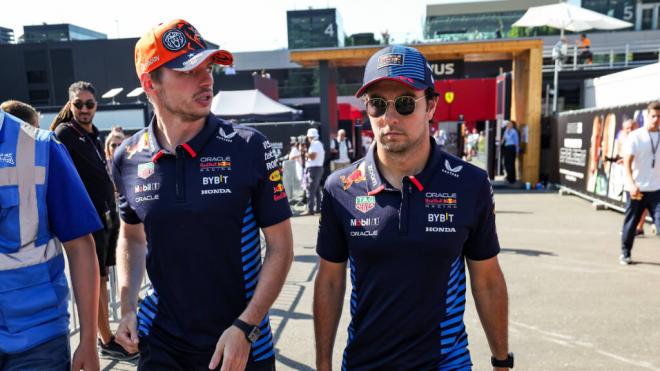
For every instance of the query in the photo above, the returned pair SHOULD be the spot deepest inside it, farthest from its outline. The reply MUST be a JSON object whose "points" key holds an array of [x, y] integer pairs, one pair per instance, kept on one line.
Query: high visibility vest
{"points": [[33, 287]]}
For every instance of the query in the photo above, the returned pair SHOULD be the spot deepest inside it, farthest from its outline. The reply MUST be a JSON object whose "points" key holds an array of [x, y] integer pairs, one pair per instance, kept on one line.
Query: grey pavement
{"points": [[572, 306]]}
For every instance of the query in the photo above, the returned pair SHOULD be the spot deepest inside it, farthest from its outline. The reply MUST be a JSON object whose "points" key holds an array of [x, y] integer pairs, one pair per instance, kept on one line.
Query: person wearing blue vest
{"points": [[43, 200]]}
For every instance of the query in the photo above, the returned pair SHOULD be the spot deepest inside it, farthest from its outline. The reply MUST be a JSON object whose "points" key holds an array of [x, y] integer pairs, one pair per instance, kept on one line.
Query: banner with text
{"points": [[590, 149]]}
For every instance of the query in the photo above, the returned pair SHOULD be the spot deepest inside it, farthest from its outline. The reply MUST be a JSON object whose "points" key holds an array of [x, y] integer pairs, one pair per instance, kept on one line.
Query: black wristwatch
{"points": [[252, 333], [508, 362]]}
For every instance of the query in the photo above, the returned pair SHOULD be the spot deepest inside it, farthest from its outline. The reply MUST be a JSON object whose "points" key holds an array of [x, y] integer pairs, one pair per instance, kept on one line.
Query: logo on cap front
{"points": [[390, 59], [174, 40]]}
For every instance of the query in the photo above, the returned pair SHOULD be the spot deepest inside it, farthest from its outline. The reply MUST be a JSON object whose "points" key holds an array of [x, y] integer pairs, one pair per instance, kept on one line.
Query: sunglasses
{"points": [[114, 145], [90, 104], [404, 105]]}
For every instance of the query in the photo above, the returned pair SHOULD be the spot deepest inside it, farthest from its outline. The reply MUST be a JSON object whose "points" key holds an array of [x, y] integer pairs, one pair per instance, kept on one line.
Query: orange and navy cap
{"points": [[176, 45]]}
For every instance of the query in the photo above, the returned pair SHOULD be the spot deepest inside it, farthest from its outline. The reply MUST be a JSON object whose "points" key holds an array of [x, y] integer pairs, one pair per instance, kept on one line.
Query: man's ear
{"points": [[147, 83], [431, 105]]}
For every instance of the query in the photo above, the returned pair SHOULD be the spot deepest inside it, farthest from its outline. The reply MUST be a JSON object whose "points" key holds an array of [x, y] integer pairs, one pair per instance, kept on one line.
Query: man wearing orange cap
{"points": [[201, 188]]}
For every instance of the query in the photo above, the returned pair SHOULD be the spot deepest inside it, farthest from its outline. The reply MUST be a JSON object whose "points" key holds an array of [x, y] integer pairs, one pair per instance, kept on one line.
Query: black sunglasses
{"points": [[90, 104], [404, 105], [114, 145]]}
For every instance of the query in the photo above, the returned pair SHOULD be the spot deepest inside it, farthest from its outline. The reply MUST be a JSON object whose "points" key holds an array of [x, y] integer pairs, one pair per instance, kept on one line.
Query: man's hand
{"points": [[85, 357], [127, 334], [232, 350], [635, 193]]}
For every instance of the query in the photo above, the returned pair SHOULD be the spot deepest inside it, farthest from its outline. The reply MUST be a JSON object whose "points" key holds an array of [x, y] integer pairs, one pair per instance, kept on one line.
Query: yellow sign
{"points": [[449, 97]]}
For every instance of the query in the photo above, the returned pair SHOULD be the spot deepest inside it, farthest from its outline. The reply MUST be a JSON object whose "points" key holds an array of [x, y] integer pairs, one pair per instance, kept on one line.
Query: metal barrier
{"points": [[605, 57], [114, 303]]}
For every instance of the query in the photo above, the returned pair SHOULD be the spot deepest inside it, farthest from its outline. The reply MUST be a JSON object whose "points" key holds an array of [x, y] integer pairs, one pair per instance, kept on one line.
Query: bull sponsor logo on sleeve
{"points": [[440, 200], [214, 163], [145, 170], [453, 171], [278, 192], [365, 203], [143, 144], [355, 177]]}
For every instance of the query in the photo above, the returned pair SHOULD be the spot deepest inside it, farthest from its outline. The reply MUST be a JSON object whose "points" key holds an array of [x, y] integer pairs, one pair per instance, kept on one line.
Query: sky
{"points": [[236, 25]]}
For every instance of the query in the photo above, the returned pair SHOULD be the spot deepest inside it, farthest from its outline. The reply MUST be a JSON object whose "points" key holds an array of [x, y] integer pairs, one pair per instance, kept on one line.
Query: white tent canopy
{"points": [[247, 102], [569, 17]]}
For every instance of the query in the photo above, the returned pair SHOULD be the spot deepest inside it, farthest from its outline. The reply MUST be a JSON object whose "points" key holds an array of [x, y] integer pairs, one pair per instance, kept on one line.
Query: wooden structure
{"points": [[527, 61]]}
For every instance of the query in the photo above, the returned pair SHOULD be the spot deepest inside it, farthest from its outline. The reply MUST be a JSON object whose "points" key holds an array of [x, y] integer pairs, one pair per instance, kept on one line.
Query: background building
{"points": [[6, 35], [59, 32], [475, 20], [314, 28]]}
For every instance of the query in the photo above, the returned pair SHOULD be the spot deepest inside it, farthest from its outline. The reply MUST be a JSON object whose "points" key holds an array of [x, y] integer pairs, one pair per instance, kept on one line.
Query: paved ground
{"points": [[572, 306]]}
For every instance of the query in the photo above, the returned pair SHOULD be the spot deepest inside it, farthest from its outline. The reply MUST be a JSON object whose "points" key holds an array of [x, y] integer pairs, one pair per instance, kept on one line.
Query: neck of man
{"points": [[652, 128], [88, 127], [174, 131], [396, 165]]}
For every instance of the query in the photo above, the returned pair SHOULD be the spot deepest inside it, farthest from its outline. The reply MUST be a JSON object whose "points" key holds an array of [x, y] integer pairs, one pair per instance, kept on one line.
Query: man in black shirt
{"points": [[74, 128]]}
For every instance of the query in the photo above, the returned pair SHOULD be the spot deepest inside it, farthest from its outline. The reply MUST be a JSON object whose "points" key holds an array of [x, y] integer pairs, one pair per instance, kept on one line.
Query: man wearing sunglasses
{"points": [[201, 188], [407, 218], [75, 129]]}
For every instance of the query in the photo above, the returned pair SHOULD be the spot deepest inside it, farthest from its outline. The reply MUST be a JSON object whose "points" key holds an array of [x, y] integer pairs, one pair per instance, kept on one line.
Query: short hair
{"points": [[654, 106], [21, 110], [79, 86], [156, 74]]}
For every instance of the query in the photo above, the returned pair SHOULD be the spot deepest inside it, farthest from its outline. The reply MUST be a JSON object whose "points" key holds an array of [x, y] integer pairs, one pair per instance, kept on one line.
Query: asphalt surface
{"points": [[572, 305]]}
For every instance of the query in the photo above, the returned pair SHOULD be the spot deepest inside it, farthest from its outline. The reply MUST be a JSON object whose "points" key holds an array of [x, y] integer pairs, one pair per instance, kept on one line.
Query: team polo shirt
{"points": [[406, 251], [202, 208]]}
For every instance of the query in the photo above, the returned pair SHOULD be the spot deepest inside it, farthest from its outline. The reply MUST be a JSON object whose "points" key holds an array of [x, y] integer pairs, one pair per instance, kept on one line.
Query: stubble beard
{"points": [[180, 111]]}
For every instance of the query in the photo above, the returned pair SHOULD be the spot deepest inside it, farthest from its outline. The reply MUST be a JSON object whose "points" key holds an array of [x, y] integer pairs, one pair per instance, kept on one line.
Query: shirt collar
{"points": [[192, 147], [376, 183]]}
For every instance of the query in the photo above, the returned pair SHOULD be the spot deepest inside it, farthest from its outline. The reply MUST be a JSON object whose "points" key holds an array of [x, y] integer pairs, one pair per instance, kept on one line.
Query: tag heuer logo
{"points": [[365, 203], [145, 170]]}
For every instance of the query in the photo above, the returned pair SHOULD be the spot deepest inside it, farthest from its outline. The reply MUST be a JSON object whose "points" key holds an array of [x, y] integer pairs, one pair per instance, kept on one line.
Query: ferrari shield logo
{"points": [[145, 170], [449, 97], [365, 203]]}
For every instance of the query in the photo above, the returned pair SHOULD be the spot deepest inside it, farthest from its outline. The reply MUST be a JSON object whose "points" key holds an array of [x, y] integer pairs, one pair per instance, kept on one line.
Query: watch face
{"points": [[254, 334]]}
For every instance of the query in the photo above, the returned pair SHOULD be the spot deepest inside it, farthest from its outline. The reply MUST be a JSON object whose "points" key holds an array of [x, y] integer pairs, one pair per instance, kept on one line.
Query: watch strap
{"points": [[252, 332], [508, 362]]}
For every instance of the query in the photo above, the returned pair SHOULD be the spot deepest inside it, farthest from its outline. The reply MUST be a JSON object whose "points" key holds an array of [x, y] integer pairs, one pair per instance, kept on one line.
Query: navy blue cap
{"points": [[398, 63]]}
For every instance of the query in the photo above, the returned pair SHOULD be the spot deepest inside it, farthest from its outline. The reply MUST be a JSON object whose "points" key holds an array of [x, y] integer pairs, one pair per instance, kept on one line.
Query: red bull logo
{"points": [[142, 145], [355, 177]]}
